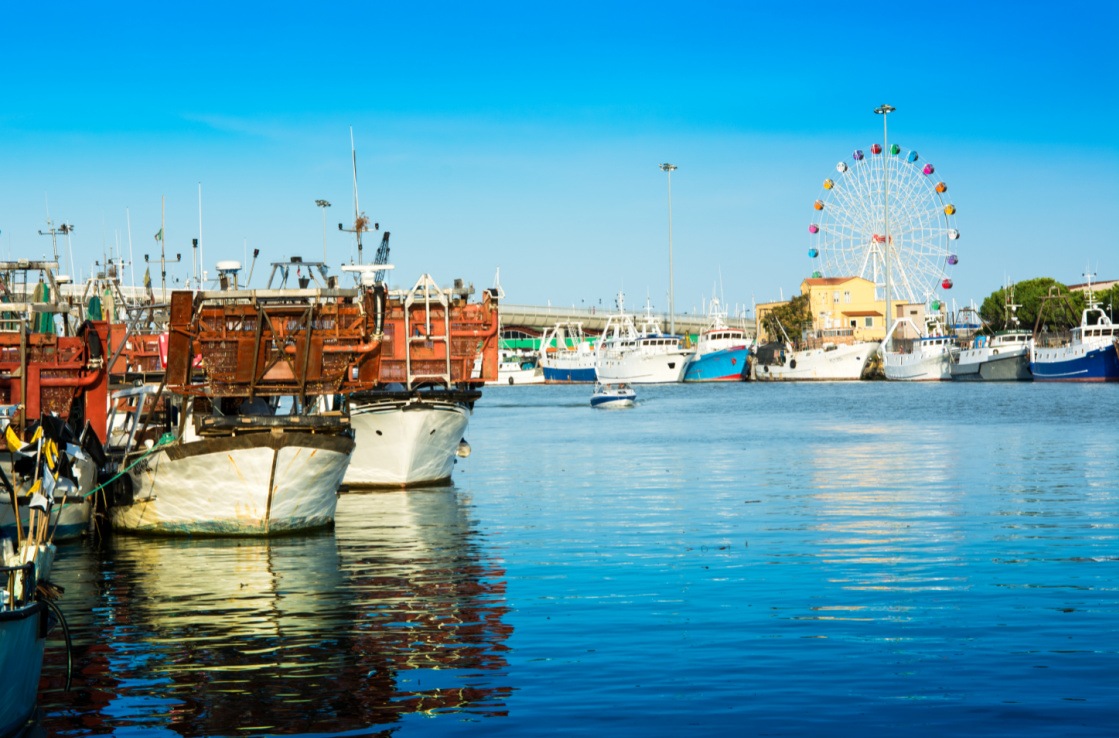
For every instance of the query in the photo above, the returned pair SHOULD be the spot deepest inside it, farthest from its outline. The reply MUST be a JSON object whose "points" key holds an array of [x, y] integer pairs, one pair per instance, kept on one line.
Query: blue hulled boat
{"points": [[722, 353], [1091, 354]]}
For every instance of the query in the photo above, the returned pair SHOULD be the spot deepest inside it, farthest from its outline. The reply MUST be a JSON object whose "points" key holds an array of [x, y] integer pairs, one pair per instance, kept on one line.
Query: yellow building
{"points": [[844, 310]]}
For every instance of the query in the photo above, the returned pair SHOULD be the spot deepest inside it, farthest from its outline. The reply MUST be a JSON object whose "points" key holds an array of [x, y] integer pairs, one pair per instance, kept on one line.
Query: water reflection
{"points": [[394, 612]]}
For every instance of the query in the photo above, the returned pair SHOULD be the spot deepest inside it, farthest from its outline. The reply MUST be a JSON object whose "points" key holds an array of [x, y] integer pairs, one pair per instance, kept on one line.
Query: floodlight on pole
{"points": [[324, 205]]}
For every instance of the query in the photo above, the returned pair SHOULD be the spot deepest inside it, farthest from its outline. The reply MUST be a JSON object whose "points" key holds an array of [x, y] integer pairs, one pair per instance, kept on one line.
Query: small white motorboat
{"points": [[613, 395]]}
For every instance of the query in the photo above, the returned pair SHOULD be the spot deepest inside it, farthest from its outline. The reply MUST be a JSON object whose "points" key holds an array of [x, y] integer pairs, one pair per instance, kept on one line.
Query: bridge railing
{"points": [[537, 318]]}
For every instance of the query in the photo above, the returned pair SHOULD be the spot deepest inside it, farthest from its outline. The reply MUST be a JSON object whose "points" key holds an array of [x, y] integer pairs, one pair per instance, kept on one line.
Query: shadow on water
{"points": [[394, 612]]}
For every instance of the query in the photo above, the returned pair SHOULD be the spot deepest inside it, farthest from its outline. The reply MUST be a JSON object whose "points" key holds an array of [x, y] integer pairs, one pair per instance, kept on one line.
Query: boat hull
{"points": [[560, 374], [727, 365], [69, 517], [402, 443], [21, 662], [845, 362], [639, 368], [917, 367], [612, 402], [250, 484], [1076, 364], [991, 367], [70, 514]]}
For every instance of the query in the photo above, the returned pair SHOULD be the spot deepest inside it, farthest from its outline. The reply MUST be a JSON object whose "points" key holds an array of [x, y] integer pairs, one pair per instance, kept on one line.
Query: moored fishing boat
{"points": [[566, 354], [992, 356], [53, 396], [1091, 354], [518, 366], [923, 356], [829, 361], [722, 352], [410, 426], [25, 566], [244, 440], [1000, 357], [638, 354]]}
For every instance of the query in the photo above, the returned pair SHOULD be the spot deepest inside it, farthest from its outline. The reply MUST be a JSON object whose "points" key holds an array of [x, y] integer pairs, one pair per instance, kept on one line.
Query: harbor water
{"points": [[873, 559]]}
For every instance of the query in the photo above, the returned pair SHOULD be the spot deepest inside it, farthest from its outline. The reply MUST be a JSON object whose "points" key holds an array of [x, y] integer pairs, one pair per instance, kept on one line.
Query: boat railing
{"points": [[19, 586], [1052, 339]]}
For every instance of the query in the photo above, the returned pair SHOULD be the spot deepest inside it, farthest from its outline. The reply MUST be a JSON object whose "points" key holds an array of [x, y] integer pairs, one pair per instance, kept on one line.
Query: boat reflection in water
{"points": [[394, 613]]}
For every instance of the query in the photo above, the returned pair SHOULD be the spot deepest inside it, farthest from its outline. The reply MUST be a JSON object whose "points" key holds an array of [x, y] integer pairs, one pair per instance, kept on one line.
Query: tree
{"points": [[1030, 295], [793, 317], [1109, 301]]}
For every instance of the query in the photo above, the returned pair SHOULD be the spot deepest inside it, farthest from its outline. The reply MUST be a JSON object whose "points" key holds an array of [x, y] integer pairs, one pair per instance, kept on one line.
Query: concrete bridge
{"points": [[534, 320]]}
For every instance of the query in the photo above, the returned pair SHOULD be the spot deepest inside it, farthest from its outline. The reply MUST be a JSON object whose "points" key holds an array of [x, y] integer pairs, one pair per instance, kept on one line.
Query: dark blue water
{"points": [[870, 559]]}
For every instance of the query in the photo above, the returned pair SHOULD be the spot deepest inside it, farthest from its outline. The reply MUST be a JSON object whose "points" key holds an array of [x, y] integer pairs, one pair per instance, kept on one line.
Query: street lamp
{"points": [[668, 169], [884, 110], [324, 205]]}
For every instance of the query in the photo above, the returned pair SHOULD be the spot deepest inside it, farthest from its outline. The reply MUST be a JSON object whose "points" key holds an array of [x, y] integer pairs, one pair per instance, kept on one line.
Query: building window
{"points": [[835, 297], [847, 296], [869, 322]]}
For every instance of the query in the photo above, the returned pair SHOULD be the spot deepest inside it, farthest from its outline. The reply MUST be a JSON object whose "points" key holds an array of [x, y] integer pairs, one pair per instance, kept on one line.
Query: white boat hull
{"points": [[250, 484], [404, 443], [518, 376], [639, 368], [843, 362], [917, 367]]}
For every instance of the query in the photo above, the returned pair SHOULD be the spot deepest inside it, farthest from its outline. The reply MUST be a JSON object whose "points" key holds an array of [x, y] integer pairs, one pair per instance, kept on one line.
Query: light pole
{"points": [[324, 205], [668, 169], [884, 110]]}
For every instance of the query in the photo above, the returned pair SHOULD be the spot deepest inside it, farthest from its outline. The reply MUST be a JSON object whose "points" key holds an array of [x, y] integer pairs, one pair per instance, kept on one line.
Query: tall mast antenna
{"points": [[358, 225]]}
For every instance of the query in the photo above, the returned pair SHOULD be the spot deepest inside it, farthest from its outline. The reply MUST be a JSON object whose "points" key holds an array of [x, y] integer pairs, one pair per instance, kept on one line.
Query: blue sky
{"points": [[526, 136]]}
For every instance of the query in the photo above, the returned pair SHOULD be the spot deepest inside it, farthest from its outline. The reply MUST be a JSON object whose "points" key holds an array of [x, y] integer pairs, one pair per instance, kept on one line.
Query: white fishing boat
{"points": [[638, 354], [613, 395], [992, 356], [779, 361], [1003, 356], [237, 475], [242, 442], [407, 438], [923, 354], [567, 356], [518, 366], [410, 426]]}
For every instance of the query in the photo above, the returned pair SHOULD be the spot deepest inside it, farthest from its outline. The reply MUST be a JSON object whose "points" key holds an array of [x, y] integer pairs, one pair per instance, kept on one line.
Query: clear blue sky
{"points": [[526, 136]]}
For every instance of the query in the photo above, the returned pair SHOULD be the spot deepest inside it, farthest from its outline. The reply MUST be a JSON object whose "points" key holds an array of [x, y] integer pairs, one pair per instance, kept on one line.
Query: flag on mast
{"points": [[159, 235]]}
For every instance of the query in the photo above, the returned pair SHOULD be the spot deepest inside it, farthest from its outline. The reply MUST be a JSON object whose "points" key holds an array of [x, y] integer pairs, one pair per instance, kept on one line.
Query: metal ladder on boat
{"points": [[426, 292]]}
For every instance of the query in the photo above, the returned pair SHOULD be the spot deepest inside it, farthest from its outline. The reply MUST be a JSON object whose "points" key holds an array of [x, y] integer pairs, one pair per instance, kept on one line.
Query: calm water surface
{"points": [[787, 560]]}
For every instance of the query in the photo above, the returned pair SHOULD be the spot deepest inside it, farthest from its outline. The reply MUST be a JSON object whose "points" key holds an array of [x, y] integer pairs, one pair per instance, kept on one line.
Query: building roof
{"points": [[1096, 286], [824, 281], [860, 313]]}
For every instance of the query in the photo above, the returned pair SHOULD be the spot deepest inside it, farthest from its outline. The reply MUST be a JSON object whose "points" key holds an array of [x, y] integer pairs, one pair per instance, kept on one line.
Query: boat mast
{"points": [[358, 224]]}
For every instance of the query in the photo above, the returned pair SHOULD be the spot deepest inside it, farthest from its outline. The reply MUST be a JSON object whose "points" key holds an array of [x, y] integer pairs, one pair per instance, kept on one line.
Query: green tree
{"points": [[1062, 311], [1109, 301], [794, 317]]}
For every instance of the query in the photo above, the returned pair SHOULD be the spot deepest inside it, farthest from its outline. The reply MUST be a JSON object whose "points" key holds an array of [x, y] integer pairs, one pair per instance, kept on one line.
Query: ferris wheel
{"points": [[849, 235]]}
